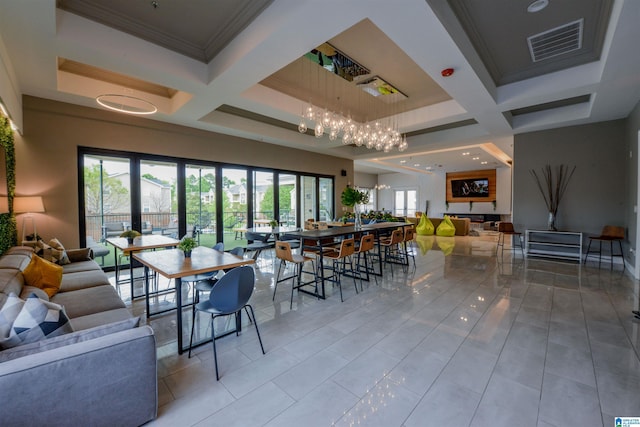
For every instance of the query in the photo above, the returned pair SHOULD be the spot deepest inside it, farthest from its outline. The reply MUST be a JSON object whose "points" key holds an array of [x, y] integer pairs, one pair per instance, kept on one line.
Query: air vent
{"points": [[557, 41]]}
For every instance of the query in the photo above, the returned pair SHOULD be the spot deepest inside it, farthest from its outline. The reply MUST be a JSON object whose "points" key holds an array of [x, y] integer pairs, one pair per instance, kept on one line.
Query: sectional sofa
{"points": [[101, 374]]}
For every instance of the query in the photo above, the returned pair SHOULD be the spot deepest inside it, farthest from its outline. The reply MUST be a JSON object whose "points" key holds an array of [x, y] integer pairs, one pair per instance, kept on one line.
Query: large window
{"points": [[405, 202], [200, 194], [174, 197], [107, 200]]}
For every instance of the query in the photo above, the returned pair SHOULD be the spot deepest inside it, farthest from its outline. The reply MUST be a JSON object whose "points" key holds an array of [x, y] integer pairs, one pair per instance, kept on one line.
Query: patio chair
{"points": [[228, 297]]}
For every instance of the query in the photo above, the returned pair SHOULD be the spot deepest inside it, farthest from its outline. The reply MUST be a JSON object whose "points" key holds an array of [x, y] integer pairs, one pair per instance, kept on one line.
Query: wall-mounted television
{"points": [[477, 187], [470, 186]]}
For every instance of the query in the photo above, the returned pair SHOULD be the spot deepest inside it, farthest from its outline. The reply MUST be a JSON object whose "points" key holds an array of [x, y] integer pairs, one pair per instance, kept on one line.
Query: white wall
{"points": [[432, 188]]}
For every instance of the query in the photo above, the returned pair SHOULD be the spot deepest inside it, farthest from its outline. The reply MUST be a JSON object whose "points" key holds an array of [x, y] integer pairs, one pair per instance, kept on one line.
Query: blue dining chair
{"points": [[229, 296]]}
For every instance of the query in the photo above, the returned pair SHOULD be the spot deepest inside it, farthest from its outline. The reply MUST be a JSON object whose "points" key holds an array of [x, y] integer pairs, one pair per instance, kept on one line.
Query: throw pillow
{"points": [[58, 252], [446, 228], [43, 250], [36, 321], [9, 313], [68, 339], [425, 226], [43, 274]]}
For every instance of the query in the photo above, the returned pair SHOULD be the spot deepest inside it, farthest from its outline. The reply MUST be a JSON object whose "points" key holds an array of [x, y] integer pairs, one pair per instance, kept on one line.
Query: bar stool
{"points": [[284, 254], [339, 261], [506, 229], [364, 250], [610, 233], [391, 247], [409, 235]]}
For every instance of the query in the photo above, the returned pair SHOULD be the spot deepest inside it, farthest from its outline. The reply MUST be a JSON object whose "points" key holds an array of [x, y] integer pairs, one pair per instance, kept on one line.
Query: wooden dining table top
{"points": [[172, 263], [141, 243]]}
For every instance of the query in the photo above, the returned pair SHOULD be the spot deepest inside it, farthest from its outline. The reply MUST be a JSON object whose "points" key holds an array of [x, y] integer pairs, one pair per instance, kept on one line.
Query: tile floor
{"points": [[463, 339]]}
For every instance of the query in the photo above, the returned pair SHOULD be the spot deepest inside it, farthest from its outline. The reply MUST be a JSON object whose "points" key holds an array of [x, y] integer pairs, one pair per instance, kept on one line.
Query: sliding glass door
{"points": [[200, 194], [158, 212], [234, 206], [107, 202], [287, 199], [171, 197]]}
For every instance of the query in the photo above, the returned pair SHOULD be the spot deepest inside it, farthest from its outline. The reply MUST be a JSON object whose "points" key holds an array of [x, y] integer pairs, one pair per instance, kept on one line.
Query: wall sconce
{"points": [[28, 205]]}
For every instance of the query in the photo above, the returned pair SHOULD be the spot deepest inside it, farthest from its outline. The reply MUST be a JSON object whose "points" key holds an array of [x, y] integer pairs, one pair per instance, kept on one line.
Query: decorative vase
{"points": [[130, 240], [551, 222], [358, 220], [187, 254]]}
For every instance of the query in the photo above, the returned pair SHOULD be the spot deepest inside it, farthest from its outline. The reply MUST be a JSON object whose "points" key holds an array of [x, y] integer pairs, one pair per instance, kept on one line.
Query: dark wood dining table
{"points": [[326, 237], [172, 264]]}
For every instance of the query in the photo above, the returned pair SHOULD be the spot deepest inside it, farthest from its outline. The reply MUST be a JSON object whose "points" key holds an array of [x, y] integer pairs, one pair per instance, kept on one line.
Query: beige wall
{"points": [[46, 155]]}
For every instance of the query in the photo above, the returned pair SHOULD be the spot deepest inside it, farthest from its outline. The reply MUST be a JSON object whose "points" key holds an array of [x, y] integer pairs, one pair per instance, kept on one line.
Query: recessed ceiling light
{"points": [[416, 164], [428, 168], [483, 163], [537, 6], [476, 158], [466, 153], [403, 162]]}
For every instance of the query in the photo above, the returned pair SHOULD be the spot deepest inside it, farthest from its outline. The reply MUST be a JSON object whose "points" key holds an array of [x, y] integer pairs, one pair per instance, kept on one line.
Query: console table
{"points": [[562, 245]]}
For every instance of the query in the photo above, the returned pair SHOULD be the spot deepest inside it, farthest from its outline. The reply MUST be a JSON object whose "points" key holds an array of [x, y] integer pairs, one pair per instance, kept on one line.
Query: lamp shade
{"points": [[28, 204]]}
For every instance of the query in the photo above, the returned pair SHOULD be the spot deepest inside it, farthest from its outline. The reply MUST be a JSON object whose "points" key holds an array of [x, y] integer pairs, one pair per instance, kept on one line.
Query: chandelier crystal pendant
{"points": [[381, 135]]}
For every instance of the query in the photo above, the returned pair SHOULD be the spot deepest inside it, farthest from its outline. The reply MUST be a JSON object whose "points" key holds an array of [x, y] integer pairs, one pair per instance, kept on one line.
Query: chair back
{"points": [[396, 236], [409, 233], [613, 232], [219, 247], [260, 237], [233, 290], [366, 243], [237, 251], [505, 227], [283, 251], [347, 248]]}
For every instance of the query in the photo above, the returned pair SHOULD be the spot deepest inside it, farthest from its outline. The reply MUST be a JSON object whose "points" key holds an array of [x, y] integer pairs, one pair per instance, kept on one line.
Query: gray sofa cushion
{"points": [[85, 265], [71, 338], [102, 318], [15, 261], [88, 301], [82, 280]]}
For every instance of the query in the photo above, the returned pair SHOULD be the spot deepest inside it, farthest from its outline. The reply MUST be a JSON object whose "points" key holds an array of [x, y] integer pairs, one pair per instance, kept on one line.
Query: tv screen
{"points": [[478, 187]]}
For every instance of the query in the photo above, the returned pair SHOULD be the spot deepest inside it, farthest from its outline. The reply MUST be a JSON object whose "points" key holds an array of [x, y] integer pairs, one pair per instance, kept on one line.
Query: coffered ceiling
{"points": [[238, 67]]}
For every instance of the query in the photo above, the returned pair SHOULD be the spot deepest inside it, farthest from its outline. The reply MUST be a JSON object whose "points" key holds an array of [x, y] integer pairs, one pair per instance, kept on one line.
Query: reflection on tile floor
{"points": [[462, 339]]}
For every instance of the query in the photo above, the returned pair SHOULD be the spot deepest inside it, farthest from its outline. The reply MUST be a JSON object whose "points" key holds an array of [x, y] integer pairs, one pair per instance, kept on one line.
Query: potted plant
{"points": [[352, 197], [273, 223], [130, 235], [186, 245]]}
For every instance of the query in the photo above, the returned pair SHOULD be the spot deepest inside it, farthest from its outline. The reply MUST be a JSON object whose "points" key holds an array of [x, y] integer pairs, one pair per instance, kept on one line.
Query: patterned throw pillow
{"points": [[58, 253], [43, 274], [43, 250], [36, 321], [8, 314]]}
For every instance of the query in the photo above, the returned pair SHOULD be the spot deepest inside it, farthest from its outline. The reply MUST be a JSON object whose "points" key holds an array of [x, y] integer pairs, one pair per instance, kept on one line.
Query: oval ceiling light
{"points": [[537, 6], [126, 104]]}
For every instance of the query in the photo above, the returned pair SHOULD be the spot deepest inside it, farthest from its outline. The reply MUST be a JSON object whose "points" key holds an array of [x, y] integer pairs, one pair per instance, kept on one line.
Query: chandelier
{"points": [[380, 134]]}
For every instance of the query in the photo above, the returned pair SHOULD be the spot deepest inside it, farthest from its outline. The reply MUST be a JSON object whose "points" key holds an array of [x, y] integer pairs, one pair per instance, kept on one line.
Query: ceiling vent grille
{"points": [[556, 41]]}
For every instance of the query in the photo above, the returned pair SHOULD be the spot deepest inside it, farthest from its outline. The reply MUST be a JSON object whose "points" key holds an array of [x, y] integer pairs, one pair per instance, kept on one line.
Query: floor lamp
{"points": [[28, 205]]}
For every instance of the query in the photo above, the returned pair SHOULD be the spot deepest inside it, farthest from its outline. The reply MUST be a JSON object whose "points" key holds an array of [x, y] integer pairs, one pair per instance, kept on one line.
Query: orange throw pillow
{"points": [[43, 274]]}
